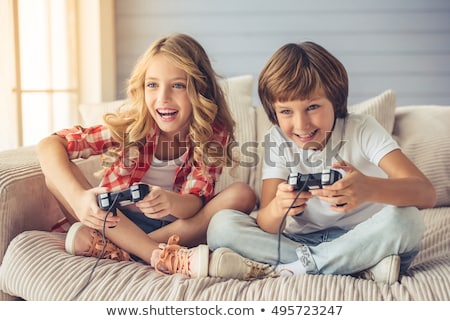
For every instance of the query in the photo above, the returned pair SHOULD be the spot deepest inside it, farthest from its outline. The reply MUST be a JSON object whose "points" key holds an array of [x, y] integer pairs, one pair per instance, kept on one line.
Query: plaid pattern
{"points": [[130, 167]]}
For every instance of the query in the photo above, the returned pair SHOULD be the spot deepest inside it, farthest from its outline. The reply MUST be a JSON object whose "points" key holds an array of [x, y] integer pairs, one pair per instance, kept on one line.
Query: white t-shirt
{"points": [[358, 139], [161, 173]]}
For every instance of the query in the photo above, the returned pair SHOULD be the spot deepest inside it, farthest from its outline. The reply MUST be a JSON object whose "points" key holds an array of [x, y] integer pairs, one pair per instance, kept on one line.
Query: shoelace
{"points": [[173, 258], [111, 251], [259, 271]]}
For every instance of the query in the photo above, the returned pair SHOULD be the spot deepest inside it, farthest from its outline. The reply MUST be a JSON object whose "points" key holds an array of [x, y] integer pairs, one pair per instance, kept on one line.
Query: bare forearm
{"points": [[57, 167], [266, 219], [186, 205], [411, 191]]}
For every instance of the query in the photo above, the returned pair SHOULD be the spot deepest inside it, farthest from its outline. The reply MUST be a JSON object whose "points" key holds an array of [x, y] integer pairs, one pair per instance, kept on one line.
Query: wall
{"points": [[398, 44]]}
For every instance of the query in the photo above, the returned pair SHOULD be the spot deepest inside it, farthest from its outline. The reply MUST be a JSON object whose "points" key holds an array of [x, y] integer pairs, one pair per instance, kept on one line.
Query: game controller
{"points": [[110, 200], [313, 181]]}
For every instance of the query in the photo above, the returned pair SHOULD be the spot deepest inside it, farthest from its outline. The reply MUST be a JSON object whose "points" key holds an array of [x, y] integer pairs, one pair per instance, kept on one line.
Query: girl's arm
{"points": [[276, 199], [160, 203], [406, 185], [69, 186]]}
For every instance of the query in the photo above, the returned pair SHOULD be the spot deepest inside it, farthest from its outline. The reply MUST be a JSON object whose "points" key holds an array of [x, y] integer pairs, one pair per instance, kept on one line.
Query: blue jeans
{"points": [[393, 230]]}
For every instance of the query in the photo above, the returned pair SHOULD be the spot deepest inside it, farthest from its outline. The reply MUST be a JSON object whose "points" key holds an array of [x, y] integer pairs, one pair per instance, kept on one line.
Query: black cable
{"points": [[108, 211]]}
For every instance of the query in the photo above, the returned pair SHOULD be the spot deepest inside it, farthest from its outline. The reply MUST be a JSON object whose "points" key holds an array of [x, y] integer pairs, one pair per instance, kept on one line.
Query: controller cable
{"points": [[88, 281], [280, 232]]}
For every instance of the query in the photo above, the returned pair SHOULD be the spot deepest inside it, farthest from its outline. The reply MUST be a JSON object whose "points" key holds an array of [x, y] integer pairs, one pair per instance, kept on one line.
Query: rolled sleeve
{"points": [[85, 142]]}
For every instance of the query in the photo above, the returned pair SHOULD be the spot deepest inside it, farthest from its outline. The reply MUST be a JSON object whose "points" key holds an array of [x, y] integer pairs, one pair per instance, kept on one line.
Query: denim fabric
{"points": [[392, 230]]}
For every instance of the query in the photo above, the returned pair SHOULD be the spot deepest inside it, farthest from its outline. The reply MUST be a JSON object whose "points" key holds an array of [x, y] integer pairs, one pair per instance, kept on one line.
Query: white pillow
{"points": [[423, 134], [382, 107], [238, 92], [239, 95]]}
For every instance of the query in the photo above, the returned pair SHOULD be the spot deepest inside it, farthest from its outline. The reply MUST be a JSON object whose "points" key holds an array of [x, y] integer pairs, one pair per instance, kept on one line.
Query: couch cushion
{"points": [[382, 107], [423, 134], [238, 93]]}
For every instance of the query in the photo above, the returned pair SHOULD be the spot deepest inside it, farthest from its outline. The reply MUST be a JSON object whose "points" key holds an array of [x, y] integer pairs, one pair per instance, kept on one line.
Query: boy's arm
{"points": [[406, 185], [276, 199]]}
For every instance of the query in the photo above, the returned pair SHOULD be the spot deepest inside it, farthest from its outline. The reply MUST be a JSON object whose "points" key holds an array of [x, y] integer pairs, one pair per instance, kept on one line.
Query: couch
{"points": [[34, 265]]}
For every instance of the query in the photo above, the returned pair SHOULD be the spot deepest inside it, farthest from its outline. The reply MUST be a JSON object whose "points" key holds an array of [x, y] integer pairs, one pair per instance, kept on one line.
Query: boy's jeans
{"points": [[393, 230]]}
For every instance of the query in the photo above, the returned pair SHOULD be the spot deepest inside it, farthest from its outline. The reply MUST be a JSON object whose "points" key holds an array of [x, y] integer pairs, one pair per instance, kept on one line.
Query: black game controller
{"points": [[110, 200], [313, 181]]}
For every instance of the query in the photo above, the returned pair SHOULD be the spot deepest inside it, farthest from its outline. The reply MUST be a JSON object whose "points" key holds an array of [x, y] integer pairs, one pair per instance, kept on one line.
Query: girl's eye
{"points": [[151, 85], [179, 85], [312, 107]]}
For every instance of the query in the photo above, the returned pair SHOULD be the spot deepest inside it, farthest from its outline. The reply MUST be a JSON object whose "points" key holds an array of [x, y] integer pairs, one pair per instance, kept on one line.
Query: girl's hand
{"points": [[284, 199], [157, 204], [87, 210], [349, 192]]}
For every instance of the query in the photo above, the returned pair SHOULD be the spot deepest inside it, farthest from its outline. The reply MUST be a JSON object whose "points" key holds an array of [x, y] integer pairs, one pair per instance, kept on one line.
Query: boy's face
{"points": [[307, 122]]}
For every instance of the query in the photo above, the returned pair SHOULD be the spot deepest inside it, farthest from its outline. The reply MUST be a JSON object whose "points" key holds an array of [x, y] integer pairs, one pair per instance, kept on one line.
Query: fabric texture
{"points": [[24, 275], [424, 134], [382, 107]]}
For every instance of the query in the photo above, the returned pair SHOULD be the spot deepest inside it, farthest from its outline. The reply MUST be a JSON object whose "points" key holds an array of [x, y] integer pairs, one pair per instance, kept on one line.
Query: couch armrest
{"points": [[25, 202]]}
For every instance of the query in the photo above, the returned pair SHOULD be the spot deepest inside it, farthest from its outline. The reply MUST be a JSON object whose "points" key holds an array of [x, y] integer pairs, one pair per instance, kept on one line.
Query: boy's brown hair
{"points": [[296, 71]]}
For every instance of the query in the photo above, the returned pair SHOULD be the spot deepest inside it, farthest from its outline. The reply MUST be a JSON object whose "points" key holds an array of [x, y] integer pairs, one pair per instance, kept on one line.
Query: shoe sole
{"points": [[204, 259], [394, 270], [70, 237]]}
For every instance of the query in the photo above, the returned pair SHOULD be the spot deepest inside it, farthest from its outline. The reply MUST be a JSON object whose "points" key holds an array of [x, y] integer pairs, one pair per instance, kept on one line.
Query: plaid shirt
{"points": [[96, 140]]}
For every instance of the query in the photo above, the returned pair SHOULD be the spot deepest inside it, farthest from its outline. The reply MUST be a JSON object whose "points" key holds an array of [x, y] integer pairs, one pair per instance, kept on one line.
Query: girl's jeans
{"points": [[393, 230]]}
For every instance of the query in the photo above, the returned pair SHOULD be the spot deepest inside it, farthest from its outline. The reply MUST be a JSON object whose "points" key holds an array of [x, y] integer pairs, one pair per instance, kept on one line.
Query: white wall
{"points": [[398, 44]]}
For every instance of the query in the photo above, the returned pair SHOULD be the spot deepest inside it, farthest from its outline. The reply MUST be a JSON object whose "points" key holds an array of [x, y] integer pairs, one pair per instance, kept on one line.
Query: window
{"points": [[50, 62], [45, 83]]}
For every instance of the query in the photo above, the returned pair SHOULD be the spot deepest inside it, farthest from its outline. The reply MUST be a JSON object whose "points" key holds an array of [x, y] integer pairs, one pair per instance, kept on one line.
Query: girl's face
{"points": [[166, 97], [307, 122]]}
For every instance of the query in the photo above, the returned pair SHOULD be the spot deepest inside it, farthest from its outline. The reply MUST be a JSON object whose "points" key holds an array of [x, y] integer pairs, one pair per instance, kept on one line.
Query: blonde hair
{"points": [[210, 111]]}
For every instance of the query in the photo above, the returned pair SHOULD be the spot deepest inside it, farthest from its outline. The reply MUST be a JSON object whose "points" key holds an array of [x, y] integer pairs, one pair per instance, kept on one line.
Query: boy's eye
{"points": [[312, 107], [285, 111]]}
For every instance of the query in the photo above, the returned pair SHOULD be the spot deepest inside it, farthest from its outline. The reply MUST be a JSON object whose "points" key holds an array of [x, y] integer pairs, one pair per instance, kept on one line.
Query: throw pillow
{"points": [[423, 135], [382, 107]]}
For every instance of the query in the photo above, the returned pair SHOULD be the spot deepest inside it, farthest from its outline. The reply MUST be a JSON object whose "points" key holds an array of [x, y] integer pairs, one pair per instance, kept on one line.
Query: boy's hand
{"points": [[348, 193], [285, 197]]}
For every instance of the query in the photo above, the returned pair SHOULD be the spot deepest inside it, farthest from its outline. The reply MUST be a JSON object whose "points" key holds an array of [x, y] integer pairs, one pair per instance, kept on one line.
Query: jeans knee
{"points": [[222, 228], [408, 223]]}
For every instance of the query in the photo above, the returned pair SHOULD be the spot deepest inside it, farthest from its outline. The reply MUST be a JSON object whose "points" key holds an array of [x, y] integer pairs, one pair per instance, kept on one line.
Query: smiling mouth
{"points": [[167, 113], [307, 136]]}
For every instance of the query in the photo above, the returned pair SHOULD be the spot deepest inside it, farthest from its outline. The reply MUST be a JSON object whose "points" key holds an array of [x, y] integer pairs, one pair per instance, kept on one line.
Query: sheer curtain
{"points": [[55, 55]]}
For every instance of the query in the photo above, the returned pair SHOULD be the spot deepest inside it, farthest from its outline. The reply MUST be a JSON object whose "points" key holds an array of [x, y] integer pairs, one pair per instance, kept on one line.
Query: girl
{"points": [[367, 221], [173, 135]]}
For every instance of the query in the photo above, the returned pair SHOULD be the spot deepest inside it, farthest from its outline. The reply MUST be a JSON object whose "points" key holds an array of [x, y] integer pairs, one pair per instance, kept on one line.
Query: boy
{"points": [[366, 223]]}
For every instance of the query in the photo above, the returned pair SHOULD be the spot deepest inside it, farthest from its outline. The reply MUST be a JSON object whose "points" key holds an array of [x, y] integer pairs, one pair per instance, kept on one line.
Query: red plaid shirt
{"points": [[189, 179]]}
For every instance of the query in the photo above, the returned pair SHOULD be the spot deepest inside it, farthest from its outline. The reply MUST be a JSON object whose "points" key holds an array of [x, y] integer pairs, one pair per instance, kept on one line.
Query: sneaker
{"points": [[173, 258], [226, 263], [386, 271], [98, 247]]}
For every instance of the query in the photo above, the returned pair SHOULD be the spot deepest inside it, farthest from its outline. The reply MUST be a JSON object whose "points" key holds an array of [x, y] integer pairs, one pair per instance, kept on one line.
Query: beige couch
{"points": [[36, 267]]}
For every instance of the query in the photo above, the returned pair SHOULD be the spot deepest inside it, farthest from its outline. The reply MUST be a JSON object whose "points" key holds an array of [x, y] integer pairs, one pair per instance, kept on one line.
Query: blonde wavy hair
{"points": [[130, 125]]}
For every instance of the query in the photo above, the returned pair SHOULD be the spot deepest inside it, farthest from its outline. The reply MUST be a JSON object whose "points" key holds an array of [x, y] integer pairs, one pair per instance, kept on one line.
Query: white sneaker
{"points": [[226, 263], [386, 271]]}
